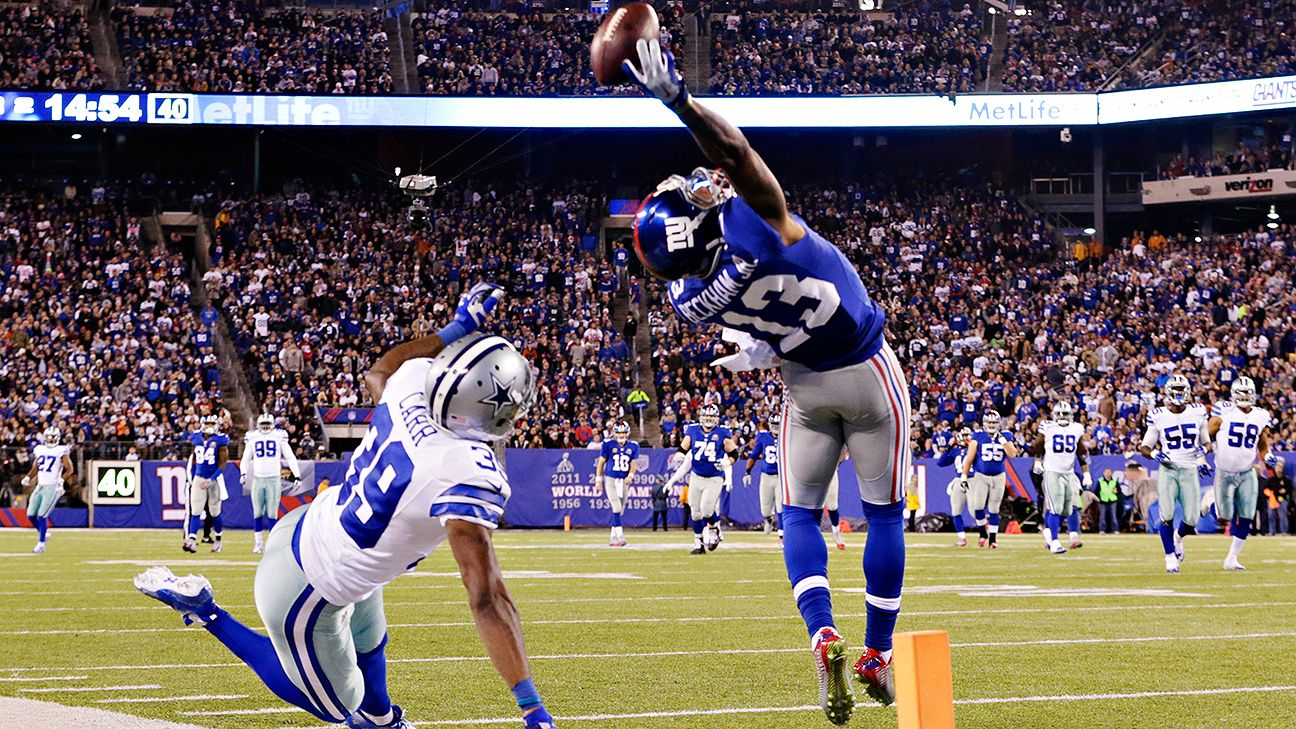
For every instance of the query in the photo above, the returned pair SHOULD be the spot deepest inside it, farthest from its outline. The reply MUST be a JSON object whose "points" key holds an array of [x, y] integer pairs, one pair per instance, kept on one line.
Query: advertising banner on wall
{"points": [[1274, 183]]}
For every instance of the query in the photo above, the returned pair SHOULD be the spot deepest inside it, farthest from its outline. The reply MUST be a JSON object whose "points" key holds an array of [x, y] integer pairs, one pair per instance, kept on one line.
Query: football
{"points": [[616, 38]]}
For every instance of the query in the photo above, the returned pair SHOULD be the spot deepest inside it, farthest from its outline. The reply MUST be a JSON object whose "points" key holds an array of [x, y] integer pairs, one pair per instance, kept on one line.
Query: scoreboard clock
{"points": [[115, 483]]}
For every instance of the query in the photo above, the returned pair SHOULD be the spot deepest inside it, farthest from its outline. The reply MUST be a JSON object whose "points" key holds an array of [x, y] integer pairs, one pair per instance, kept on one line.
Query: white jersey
{"points": [[1237, 442], [405, 481], [49, 464], [1061, 443], [1179, 434], [266, 453]]}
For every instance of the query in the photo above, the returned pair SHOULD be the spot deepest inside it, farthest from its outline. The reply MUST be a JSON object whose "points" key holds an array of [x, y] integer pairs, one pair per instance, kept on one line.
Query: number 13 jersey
{"points": [[806, 300], [405, 481]]}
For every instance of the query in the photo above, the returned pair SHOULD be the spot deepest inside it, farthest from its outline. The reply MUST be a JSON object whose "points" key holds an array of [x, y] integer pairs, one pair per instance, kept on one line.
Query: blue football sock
{"points": [[834, 517], [884, 563], [713, 519], [806, 557], [269, 523], [1241, 528], [258, 524], [780, 521], [1167, 537], [993, 519], [1073, 521], [698, 526], [980, 515], [958, 523], [616, 519], [1053, 522], [218, 525], [42, 524], [195, 524], [373, 666], [258, 653]]}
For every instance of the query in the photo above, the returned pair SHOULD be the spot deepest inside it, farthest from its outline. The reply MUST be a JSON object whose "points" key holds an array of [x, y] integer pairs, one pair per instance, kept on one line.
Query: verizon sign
{"points": [[1274, 183]]}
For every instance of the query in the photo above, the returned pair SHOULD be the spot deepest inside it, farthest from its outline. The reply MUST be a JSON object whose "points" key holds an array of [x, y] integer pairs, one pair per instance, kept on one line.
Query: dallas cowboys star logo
{"points": [[501, 398]]}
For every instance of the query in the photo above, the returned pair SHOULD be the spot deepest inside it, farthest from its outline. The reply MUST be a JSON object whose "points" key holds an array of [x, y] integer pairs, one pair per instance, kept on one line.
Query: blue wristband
{"points": [[526, 695], [452, 332]]}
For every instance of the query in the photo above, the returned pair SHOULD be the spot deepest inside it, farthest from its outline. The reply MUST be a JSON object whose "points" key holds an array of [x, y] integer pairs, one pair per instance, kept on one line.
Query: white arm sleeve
{"points": [[686, 464], [245, 463], [1151, 437], [189, 469]]}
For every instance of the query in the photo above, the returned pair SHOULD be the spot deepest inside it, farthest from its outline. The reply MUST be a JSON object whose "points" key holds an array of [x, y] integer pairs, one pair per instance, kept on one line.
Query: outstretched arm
{"points": [[724, 145]]}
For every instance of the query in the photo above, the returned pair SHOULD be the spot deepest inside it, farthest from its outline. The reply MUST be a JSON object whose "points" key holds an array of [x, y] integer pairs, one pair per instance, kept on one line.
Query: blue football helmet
{"points": [[677, 229]]}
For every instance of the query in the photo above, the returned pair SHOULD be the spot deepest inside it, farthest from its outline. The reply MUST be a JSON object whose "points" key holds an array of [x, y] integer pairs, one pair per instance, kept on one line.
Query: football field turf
{"points": [[650, 636]]}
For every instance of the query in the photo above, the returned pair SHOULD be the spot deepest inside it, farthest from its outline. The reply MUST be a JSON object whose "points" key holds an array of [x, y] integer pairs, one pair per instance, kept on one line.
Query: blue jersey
{"points": [[765, 450], [618, 458], [206, 453], [948, 457], [707, 449], [805, 300], [990, 453]]}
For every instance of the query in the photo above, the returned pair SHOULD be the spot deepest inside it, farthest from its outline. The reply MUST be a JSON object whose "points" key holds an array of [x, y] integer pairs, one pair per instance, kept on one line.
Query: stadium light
{"points": [[1090, 231], [76, 136], [1273, 212]]}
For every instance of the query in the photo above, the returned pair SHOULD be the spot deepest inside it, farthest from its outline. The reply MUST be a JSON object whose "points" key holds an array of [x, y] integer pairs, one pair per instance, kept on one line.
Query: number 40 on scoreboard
{"points": [[115, 483]]}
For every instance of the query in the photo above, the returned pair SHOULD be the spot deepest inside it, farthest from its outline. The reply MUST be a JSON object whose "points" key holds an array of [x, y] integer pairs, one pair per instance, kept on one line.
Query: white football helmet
{"points": [[964, 436], [1062, 414], [479, 386], [51, 436], [1243, 392], [265, 423], [1177, 391], [210, 424]]}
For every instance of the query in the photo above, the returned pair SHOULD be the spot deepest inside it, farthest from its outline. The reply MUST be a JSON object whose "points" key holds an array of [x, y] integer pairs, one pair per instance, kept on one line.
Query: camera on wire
{"points": [[417, 186]]}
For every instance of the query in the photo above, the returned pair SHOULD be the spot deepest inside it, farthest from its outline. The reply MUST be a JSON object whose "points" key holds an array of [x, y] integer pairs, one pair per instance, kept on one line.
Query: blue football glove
{"points": [[1205, 469], [539, 719], [1161, 457], [659, 77], [474, 307], [1271, 459]]}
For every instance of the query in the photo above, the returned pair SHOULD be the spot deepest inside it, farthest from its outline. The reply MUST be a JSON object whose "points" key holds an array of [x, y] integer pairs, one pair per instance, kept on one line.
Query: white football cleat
{"points": [[190, 595], [1233, 564], [39, 548], [1057, 549], [216, 546], [1172, 564]]}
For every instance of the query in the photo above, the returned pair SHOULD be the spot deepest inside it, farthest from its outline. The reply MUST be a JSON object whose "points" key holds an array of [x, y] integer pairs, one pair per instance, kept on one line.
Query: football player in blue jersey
{"points": [[206, 464], [736, 256], [612, 475], [423, 475], [764, 451], [957, 494], [704, 447], [987, 452]]}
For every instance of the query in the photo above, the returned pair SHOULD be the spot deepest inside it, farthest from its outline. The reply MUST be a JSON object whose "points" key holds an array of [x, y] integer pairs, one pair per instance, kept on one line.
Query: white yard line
{"points": [[248, 712], [84, 689], [46, 678], [158, 699]]}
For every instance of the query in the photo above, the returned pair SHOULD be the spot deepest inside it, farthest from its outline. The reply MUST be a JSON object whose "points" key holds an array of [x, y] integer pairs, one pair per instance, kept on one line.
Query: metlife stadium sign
{"points": [[890, 111]]}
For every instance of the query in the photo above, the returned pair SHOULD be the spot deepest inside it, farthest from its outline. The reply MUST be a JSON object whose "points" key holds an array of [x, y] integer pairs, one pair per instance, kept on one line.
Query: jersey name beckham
{"points": [[1237, 442], [618, 457], [265, 453], [405, 481], [206, 453], [49, 464], [1178, 434], [989, 453], [805, 300], [707, 449], [1061, 444], [765, 451]]}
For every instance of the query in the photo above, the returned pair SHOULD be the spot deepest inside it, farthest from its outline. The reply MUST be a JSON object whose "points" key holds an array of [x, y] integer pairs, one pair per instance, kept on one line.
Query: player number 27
{"points": [[814, 300]]}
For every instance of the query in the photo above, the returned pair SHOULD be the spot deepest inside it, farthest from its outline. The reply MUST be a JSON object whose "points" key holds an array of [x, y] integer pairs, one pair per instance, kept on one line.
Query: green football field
{"points": [[650, 636]]}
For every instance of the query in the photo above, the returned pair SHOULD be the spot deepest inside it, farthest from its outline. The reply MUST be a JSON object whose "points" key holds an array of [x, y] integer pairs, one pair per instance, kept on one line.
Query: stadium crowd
{"points": [[317, 285], [45, 47], [1244, 159], [237, 46]]}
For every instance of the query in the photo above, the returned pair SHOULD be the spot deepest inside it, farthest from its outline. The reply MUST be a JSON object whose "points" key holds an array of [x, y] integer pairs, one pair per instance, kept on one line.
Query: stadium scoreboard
{"points": [[115, 483], [615, 112]]}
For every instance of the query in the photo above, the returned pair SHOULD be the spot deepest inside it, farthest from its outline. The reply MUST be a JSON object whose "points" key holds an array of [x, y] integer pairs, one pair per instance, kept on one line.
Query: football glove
{"points": [[1161, 457], [26, 481], [1039, 466], [1205, 469], [1086, 480], [474, 307], [659, 77], [1271, 459], [963, 485]]}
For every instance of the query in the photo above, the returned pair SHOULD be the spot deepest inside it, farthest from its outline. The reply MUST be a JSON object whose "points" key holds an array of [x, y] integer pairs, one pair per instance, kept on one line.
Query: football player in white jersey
{"points": [[1176, 438], [265, 453], [1057, 448], [1240, 434], [424, 473], [51, 468]]}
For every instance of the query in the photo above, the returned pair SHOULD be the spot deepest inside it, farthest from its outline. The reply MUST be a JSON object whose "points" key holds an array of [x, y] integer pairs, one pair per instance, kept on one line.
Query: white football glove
{"points": [[1086, 480], [1039, 466], [659, 76], [26, 481]]}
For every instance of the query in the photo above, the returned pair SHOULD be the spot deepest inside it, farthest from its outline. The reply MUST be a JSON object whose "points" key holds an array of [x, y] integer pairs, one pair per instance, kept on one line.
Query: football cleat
{"points": [[1057, 549], [1076, 544], [981, 542], [962, 542], [190, 595], [539, 719], [1172, 564], [698, 549], [208, 540], [39, 548], [190, 545], [874, 672], [216, 547], [711, 538], [841, 545], [836, 696], [994, 545], [1233, 564], [257, 549], [359, 720]]}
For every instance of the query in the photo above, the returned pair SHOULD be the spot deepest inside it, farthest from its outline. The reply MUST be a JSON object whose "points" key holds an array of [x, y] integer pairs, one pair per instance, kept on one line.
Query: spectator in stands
{"points": [[46, 48]]}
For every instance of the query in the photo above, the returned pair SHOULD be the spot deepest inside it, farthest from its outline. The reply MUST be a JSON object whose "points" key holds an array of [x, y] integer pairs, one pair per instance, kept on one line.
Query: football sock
{"points": [[373, 667], [42, 524], [616, 519], [698, 525], [1241, 529], [1054, 522], [258, 525], [258, 653], [884, 559], [958, 524], [806, 557], [1167, 537], [834, 518], [218, 525], [992, 523], [195, 524], [1073, 521], [980, 522]]}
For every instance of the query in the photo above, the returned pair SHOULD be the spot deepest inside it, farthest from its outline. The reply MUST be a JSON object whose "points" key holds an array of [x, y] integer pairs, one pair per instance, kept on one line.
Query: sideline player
{"points": [[957, 487], [704, 447], [1178, 431], [51, 469], [736, 257], [1240, 434], [206, 465], [424, 473], [265, 453], [613, 474], [764, 451], [1057, 448], [985, 460]]}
